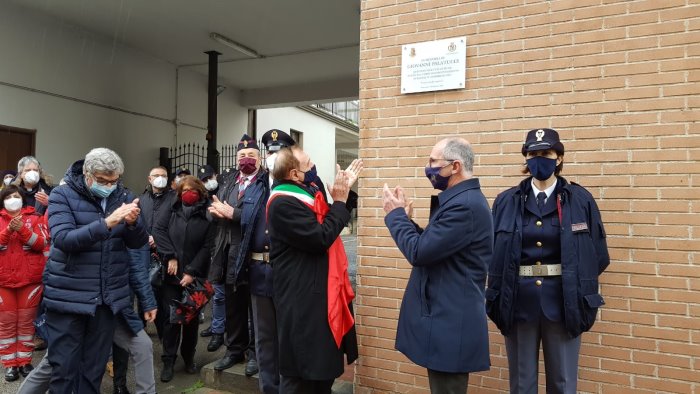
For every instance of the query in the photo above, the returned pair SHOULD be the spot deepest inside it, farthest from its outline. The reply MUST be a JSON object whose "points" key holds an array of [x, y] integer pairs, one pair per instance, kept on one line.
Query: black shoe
{"points": [[121, 390], [215, 343], [25, 369], [228, 361], [167, 373], [12, 374], [206, 332], [251, 367], [191, 368]]}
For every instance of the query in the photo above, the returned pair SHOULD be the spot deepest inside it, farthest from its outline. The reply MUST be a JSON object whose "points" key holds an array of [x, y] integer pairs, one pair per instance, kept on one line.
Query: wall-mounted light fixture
{"points": [[233, 44]]}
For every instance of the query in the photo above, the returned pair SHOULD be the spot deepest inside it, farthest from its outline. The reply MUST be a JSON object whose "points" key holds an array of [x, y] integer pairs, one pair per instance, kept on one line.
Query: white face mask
{"points": [[13, 204], [211, 184], [159, 182], [270, 162], [31, 177], [7, 180], [178, 179]]}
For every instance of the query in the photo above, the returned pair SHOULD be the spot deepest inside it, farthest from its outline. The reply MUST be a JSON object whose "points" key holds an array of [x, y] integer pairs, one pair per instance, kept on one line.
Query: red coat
{"points": [[22, 256]]}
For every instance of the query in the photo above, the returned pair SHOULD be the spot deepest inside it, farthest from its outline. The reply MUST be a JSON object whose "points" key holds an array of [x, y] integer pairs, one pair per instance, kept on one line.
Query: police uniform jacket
{"points": [[572, 212], [442, 323], [254, 237]]}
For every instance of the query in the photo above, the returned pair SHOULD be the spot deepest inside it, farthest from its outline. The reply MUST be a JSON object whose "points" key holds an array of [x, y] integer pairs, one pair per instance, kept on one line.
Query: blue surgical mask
{"points": [[438, 181], [101, 191], [310, 175], [541, 167]]}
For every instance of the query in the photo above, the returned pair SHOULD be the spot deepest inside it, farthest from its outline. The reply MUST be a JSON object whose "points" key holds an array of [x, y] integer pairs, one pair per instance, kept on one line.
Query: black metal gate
{"points": [[193, 156]]}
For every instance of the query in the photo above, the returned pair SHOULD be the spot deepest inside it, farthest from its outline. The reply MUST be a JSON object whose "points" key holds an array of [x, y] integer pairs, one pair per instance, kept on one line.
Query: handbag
{"points": [[155, 271], [194, 297]]}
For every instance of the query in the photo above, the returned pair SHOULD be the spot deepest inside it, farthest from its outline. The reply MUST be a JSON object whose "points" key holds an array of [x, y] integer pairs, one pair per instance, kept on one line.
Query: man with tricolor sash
{"points": [[312, 291]]}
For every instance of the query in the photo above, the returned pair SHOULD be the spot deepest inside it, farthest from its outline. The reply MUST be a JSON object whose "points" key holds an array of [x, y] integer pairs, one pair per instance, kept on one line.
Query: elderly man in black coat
{"points": [[442, 322], [312, 292]]}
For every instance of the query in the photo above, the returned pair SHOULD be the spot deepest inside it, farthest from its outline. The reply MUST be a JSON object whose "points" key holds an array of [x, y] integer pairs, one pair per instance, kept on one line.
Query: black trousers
{"points": [[296, 385], [174, 335], [447, 383], [120, 361], [79, 349], [237, 337]]}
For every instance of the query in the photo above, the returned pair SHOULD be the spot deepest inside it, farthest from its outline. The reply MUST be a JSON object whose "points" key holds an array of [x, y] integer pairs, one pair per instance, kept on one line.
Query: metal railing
{"points": [[348, 111]]}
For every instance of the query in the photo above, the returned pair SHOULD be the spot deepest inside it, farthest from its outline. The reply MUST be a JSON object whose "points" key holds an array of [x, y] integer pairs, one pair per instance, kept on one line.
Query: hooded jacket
{"points": [[88, 263]]}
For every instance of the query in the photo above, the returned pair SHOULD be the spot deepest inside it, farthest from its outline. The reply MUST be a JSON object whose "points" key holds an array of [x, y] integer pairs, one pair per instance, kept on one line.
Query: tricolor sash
{"points": [[340, 292]]}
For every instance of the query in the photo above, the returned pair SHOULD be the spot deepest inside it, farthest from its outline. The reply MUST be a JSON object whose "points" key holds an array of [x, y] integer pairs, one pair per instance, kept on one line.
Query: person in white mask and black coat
{"points": [[34, 183]]}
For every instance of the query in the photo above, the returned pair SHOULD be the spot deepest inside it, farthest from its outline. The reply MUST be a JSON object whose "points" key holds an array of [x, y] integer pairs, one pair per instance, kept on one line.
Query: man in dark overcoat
{"points": [[311, 281], [442, 322]]}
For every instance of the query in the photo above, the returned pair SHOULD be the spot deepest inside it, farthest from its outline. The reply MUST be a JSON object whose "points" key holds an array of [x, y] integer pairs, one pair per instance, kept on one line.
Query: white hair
{"points": [[459, 149], [103, 160], [27, 160]]}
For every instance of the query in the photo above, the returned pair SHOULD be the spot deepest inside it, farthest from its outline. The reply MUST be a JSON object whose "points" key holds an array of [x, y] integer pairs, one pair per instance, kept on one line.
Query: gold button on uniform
{"points": [[538, 223], [538, 263], [267, 247], [539, 244], [538, 282]]}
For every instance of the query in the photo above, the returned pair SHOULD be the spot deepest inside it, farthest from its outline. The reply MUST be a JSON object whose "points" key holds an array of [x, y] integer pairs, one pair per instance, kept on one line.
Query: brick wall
{"points": [[619, 81]]}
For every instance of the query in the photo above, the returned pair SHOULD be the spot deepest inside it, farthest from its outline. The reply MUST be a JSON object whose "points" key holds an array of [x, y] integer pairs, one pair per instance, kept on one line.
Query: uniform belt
{"points": [[260, 257], [540, 270]]}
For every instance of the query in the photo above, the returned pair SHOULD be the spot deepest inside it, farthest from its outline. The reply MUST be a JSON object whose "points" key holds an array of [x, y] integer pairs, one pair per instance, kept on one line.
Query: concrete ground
{"points": [[183, 382]]}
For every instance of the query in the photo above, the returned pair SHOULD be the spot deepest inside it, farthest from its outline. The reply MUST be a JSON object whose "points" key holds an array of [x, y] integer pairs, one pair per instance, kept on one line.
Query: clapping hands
{"points": [[127, 212], [221, 210], [340, 188], [353, 171], [16, 223], [396, 199]]}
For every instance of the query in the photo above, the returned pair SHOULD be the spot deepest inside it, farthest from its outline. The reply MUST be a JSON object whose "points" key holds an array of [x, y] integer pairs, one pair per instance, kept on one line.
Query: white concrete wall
{"points": [[318, 135], [50, 55]]}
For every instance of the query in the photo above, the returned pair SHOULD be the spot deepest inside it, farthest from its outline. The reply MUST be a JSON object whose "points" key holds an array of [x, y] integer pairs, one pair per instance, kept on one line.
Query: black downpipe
{"points": [[212, 153]]}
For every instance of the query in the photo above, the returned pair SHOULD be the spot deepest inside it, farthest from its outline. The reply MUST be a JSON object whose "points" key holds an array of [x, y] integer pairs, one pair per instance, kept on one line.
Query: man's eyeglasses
{"points": [[105, 182], [432, 161]]}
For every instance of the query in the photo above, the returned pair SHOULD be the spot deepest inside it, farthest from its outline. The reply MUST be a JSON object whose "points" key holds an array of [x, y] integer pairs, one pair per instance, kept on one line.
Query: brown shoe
{"points": [[40, 344]]}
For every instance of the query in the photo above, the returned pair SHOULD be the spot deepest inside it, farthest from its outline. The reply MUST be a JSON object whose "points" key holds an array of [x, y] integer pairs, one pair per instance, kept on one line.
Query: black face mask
{"points": [[541, 167], [310, 176]]}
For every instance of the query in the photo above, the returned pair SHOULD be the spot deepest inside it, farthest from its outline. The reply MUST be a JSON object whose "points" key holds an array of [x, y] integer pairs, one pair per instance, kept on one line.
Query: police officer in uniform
{"points": [[208, 176], [240, 243], [549, 250]]}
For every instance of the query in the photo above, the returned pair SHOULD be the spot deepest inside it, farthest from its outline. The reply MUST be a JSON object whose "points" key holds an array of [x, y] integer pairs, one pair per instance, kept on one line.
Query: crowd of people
{"points": [[263, 242], [78, 254]]}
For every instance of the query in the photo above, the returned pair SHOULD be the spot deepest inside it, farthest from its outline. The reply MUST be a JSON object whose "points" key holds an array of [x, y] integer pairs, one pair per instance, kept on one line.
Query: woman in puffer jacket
{"points": [[23, 241]]}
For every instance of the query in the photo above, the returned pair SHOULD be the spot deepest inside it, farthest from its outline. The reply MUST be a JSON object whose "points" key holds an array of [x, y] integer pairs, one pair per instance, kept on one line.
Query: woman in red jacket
{"points": [[23, 239]]}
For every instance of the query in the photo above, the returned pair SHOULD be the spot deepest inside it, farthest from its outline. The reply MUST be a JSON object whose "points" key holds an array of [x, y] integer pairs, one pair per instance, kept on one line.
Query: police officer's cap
{"points": [[205, 172], [247, 142], [182, 171], [276, 139], [542, 139]]}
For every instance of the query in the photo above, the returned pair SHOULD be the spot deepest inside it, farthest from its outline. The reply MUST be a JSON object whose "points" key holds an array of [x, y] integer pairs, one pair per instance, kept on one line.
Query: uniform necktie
{"points": [[241, 186], [541, 196]]}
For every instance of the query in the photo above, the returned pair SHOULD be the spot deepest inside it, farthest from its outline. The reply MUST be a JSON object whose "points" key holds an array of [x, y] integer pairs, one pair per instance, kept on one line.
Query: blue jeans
{"points": [[218, 310]]}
